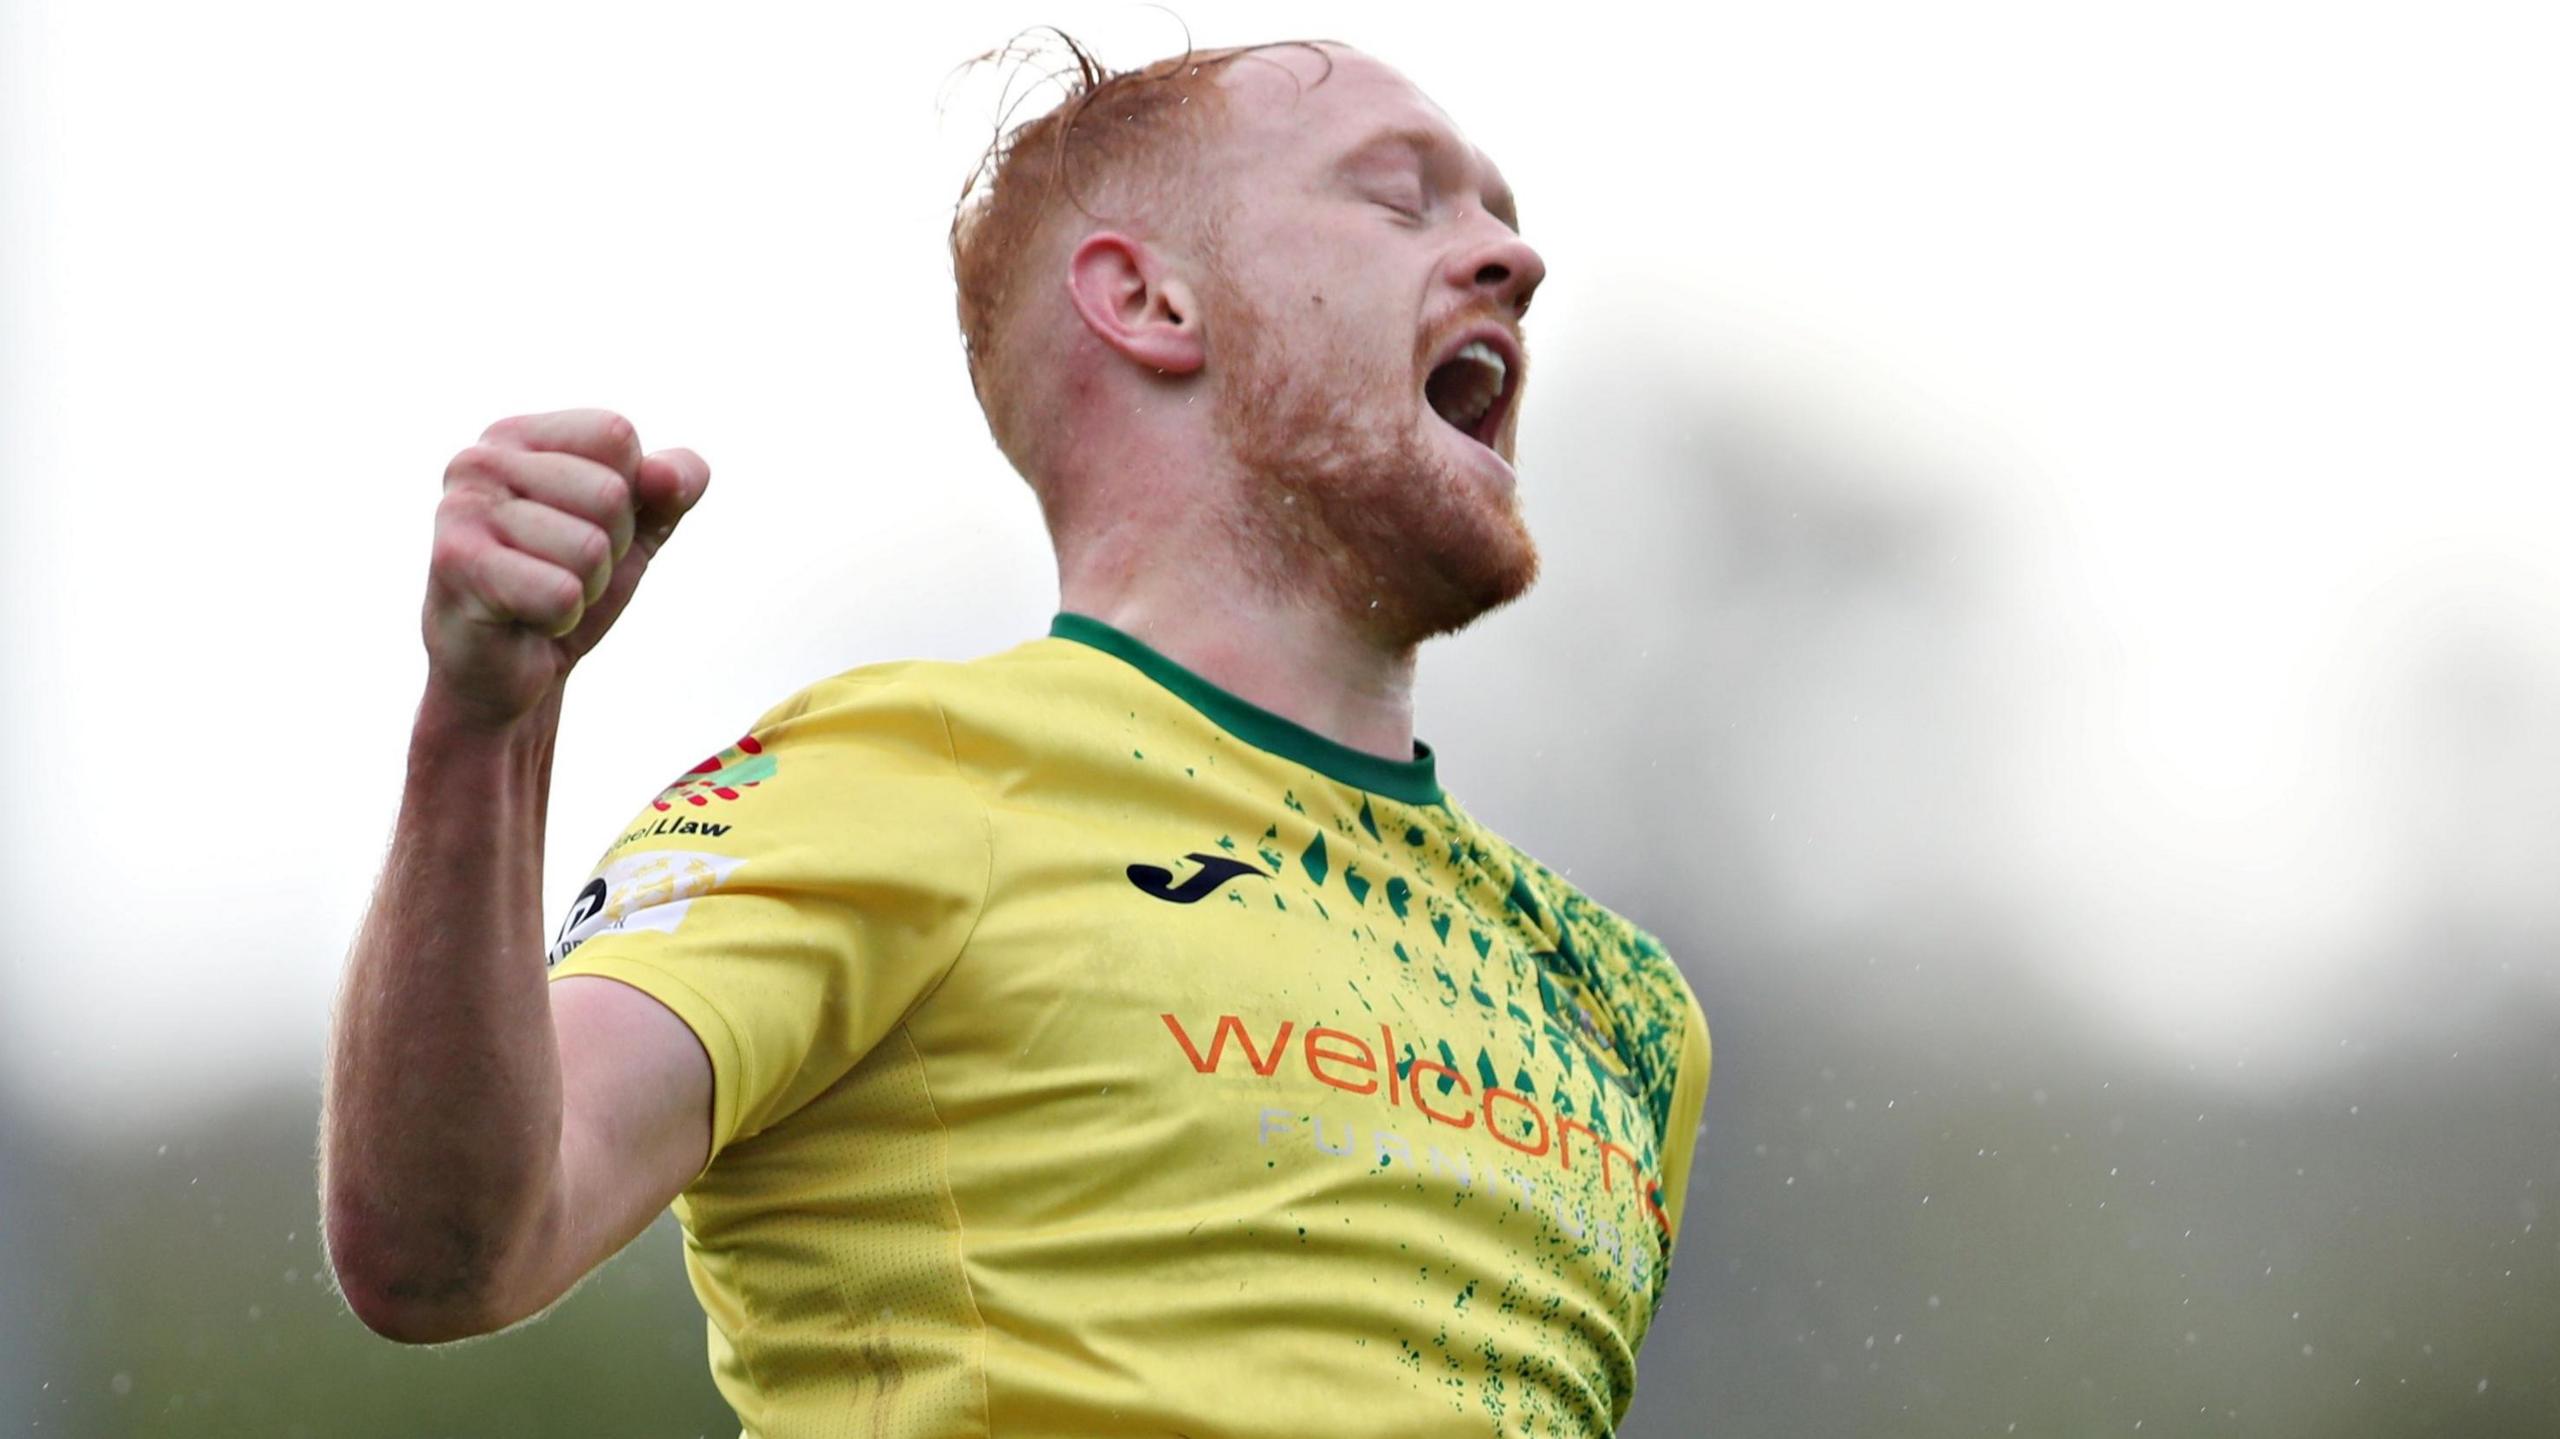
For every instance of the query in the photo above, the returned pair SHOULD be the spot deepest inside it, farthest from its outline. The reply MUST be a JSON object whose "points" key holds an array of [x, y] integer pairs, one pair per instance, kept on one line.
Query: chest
{"points": [[1306, 1010]]}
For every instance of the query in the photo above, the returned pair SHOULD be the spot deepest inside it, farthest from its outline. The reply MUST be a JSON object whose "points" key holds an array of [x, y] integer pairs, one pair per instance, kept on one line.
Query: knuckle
{"points": [[595, 549], [454, 553], [610, 496], [475, 462], [486, 519], [458, 507], [457, 532], [485, 566]]}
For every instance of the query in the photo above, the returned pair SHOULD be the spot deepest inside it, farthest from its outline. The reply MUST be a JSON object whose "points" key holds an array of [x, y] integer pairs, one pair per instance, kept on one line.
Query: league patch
{"points": [[649, 891], [743, 765]]}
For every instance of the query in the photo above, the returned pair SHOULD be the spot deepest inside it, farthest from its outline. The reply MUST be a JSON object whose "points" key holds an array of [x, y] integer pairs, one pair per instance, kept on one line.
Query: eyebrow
{"points": [[1501, 203]]}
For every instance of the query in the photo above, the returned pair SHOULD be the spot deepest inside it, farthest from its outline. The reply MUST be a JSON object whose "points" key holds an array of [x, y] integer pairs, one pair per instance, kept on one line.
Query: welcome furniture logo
{"points": [[1345, 1061]]}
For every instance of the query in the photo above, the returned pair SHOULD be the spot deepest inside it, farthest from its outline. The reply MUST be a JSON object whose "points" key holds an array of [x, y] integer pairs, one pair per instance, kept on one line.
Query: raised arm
{"points": [[487, 1139]]}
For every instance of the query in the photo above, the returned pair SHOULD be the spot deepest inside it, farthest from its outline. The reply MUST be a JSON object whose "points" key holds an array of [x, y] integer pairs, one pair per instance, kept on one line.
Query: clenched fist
{"points": [[546, 527]]}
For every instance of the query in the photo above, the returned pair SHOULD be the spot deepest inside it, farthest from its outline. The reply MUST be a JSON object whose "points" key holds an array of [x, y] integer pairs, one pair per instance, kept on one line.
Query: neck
{"points": [[1284, 654]]}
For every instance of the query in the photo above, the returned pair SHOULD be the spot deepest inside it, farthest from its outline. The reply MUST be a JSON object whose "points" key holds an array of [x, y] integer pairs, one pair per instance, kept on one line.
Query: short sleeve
{"points": [[793, 897], [1688, 1102]]}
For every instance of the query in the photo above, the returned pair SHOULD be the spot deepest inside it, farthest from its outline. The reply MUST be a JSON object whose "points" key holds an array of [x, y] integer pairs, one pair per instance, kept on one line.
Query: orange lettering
{"points": [[1609, 1147], [1494, 1092], [1363, 1060], [1565, 1126], [1465, 1119], [1218, 1044]]}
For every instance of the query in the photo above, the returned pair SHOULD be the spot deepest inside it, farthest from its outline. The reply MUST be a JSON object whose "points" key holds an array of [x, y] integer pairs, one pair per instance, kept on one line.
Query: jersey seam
{"points": [[1688, 1101], [986, 881], [1263, 729], [924, 1080], [959, 1228]]}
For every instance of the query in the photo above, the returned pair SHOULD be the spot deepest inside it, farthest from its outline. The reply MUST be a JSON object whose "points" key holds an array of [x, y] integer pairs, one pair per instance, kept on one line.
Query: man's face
{"points": [[1362, 320]]}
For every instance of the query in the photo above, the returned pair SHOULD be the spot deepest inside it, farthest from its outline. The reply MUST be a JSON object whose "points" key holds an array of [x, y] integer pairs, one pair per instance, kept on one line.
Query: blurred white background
{"points": [[2050, 512]]}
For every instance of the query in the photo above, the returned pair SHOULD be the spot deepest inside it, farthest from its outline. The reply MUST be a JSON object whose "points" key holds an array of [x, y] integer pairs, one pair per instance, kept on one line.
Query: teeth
{"points": [[1464, 388]]}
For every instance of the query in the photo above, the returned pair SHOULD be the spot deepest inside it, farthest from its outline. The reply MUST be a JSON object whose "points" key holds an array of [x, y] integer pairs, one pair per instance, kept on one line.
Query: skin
{"points": [[1242, 397], [1256, 409], [486, 1140]]}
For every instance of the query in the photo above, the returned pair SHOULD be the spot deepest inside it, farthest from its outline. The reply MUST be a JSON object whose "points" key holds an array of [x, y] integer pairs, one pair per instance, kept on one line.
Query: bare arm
{"points": [[487, 1139]]}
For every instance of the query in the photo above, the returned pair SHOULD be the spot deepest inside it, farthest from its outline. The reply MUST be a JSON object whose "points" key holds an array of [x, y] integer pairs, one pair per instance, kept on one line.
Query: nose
{"points": [[1505, 267]]}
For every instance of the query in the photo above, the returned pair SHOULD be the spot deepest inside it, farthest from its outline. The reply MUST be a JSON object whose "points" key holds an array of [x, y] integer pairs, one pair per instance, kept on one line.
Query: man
{"points": [[1120, 1034]]}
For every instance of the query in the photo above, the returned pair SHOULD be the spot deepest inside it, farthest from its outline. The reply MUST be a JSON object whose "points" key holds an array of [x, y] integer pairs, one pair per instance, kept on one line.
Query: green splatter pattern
{"points": [[1588, 1015]]}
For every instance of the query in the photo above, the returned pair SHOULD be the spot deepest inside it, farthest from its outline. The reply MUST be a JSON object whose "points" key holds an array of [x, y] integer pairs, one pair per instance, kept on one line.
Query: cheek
{"points": [[1329, 314], [1348, 280]]}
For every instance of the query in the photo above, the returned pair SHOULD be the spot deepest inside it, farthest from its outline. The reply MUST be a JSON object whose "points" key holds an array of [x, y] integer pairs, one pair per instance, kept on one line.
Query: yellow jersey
{"points": [[1095, 1052]]}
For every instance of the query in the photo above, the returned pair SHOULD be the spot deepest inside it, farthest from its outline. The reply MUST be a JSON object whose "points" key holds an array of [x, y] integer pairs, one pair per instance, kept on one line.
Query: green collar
{"points": [[1411, 781]]}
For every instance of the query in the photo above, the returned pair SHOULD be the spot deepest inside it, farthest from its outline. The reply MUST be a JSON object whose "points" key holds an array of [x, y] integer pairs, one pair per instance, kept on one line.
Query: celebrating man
{"points": [[1123, 1033]]}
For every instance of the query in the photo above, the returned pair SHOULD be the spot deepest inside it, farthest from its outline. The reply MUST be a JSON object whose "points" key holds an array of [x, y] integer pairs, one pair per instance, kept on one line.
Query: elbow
{"points": [[403, 1301], [401, 1309], [407, 1321]]}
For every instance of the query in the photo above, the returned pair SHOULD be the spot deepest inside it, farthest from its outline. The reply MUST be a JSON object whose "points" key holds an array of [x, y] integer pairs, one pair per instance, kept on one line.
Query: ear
{"points": [[1132, 301]]}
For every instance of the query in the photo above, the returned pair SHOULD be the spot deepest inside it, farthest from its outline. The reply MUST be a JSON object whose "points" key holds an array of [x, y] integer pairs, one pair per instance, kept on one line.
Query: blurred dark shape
{"points": [[181, 1290]]}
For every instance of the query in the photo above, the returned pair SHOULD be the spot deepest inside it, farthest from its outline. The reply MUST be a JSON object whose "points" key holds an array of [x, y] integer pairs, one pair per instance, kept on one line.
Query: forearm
{"points": [[440, 1131], [441, 1128]]}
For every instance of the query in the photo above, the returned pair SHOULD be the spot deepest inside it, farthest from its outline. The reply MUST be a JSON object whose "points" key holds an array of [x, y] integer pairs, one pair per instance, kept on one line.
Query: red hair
{"points": [[1129, 138]]}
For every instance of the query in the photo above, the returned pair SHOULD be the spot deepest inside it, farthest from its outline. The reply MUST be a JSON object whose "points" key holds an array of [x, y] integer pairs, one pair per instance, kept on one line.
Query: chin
{"points": [[1465, 549], [1482, 581], [1408, 527]]}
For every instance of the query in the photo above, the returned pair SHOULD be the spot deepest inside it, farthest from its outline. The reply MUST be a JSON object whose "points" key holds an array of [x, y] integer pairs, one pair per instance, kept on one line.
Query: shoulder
{"points": [[1554, 898], [995, 683], [875, 694], [931, 724], [1605, 949], [1047, 697], [1621, 949], [866, 746]]}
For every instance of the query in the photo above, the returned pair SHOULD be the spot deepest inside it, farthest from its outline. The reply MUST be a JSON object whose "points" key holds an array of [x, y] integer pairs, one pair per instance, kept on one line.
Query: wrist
{"points": [[448, 715], [452, 730]]}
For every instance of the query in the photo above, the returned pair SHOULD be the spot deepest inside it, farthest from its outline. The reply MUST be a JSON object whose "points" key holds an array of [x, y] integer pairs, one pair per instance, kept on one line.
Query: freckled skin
{"points": [[1353, 480]]}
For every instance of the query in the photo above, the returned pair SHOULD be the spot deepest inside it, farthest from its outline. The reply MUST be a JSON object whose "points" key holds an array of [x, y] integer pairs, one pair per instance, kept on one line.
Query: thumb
{"points": [[670, 483]]}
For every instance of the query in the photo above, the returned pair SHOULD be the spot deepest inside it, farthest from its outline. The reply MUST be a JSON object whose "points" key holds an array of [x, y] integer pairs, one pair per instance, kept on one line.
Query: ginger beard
{"points": [[1347, 488]]}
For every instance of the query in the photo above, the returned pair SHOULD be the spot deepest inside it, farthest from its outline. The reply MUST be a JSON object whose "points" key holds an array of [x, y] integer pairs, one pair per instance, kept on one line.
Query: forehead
{"points": [[1290, 100]]}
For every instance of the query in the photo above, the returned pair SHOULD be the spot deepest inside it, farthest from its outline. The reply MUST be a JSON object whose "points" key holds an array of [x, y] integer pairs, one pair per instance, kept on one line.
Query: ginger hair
{"points": [[1126, 140]]}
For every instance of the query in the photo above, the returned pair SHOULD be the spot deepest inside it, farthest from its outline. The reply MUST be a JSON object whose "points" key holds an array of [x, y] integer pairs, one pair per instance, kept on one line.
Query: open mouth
{"points": [[1471, 390]]}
